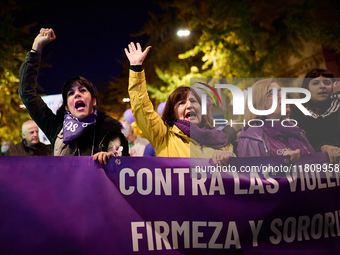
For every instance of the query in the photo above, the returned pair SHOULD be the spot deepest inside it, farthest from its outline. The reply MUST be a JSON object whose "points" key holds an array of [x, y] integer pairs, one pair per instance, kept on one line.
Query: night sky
{"points": [[91, 36]]}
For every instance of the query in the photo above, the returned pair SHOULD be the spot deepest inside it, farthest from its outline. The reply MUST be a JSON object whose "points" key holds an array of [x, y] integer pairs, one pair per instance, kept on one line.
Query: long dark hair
{"points": [[68, 85]]}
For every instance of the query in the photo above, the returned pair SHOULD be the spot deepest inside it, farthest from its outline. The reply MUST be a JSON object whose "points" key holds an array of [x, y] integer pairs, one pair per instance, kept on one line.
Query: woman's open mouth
{"points": [[79, 105], [190, 115]]}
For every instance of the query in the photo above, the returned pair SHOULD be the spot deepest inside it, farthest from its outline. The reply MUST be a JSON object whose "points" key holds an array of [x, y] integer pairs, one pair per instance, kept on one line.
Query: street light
{"points": [[183, 32]]}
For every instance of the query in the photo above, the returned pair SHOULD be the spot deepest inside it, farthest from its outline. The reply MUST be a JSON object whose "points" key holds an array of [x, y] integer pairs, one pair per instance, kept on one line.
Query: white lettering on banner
{"points": [[208, 181], [255, 230], [216, 183], [256, 184], [220, 235], [310, 177], [135, 235], [149, 235], [146, 185], [162, 235], [199, 229], [179, 230], [160, 184], [305, 227]]}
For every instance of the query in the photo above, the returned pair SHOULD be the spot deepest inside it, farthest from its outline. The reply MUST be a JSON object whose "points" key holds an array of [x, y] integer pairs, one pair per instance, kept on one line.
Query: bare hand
{"points": [[333, 153], [103, 156], [222, 157], [136, 56], [45, 36], [294, 155], [336, 86]]}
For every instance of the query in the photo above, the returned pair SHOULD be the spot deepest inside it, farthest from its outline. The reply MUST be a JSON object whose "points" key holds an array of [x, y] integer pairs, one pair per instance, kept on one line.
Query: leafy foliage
{"points": [[236, 38], [12, 55]]}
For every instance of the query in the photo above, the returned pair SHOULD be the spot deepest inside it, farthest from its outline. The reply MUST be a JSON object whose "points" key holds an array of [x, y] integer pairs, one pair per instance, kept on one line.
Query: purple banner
{"points": [[72, 205]]}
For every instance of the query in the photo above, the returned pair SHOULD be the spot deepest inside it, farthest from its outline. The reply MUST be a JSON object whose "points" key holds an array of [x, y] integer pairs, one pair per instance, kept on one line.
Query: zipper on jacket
{"points": [[265, 147]]}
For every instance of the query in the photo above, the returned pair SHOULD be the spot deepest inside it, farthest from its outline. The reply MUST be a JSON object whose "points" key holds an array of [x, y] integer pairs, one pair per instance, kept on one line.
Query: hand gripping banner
{"points": [[73, 205]]}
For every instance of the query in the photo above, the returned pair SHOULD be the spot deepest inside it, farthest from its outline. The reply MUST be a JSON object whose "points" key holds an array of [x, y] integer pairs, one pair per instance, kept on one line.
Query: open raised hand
{"points": [[135, 55]]}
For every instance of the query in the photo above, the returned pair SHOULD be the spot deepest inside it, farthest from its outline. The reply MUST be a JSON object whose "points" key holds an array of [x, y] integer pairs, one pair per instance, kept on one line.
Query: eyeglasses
{"points": [[270, 92], [325, 82]]}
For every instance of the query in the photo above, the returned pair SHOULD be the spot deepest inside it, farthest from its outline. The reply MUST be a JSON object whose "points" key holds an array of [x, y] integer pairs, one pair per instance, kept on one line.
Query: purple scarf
{"points": [[74, 128], [209, 137], [293, 135]]}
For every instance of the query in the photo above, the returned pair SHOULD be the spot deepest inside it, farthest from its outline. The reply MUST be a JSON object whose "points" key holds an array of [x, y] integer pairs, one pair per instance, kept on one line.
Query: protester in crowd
{"points": [[270, 137], [181, 131], [30, 145], [5, 146], [137, 144], [149, 151], [77, 129], [323, 125]]}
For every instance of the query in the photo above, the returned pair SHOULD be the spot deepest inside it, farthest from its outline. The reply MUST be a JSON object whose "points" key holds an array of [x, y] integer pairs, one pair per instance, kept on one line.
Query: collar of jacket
{"points": [[105, 124], [28, 149], [174, 129]]}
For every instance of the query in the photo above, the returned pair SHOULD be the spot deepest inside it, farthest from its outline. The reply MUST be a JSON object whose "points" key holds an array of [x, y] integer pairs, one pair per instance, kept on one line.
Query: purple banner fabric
{"points": [[72, 205]]}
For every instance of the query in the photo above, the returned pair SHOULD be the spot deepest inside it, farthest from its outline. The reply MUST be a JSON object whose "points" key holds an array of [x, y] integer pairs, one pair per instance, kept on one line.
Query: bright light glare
{"points": [[183, 32], [125, 100]]}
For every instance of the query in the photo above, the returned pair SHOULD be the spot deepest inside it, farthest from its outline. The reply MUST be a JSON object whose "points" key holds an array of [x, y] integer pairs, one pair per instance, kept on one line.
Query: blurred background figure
{"points": [[322, 126], [5, 146], [137, 144], [270, 138], [30, 145], [149, 151]]}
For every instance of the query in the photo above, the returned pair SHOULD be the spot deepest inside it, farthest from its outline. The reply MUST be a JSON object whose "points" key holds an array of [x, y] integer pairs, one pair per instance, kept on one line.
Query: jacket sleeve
{"points": [[230, 133], [147, 119], [36, 107]]}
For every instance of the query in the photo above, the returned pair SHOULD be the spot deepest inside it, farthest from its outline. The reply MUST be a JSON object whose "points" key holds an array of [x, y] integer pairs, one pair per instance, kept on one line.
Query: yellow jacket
{"points": [[168, 141]]}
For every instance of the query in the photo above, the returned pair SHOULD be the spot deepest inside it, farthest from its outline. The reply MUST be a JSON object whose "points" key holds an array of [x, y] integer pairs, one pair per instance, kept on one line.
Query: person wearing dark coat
{"points": [[77, 129], [323, 124], [30, 144]]}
